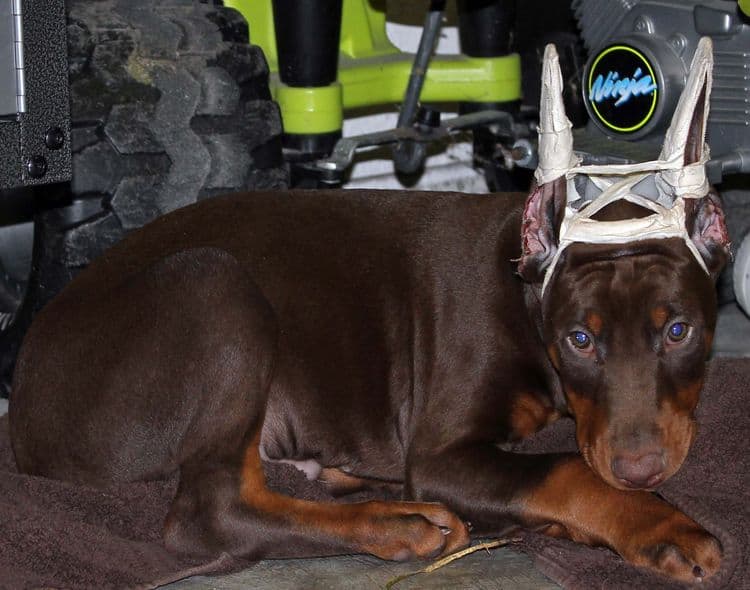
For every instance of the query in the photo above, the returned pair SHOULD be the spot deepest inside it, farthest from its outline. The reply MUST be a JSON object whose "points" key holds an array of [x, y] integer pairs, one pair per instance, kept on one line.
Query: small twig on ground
{"points": [[452, 557]]}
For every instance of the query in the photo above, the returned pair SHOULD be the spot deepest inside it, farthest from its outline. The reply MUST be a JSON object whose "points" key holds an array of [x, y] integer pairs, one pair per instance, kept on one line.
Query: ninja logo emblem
{"points": [[622, 89]]}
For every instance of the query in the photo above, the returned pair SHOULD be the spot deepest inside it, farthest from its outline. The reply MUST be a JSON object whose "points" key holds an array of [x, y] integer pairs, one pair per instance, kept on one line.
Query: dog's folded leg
{"points": [[641, 527], [485, 487], [228, 508]]}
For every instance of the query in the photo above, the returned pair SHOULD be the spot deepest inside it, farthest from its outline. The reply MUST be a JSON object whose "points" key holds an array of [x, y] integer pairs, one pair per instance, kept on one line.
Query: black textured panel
{"points": [[47, 104], [10, 154]]}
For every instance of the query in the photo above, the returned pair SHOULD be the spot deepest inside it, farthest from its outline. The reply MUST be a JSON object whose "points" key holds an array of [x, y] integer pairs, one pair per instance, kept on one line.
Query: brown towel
{"points": [[54, 534], [713, 487]]}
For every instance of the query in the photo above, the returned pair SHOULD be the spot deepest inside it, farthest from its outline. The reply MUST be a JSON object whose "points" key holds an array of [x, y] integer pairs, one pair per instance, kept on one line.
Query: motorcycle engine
{"points": [[639, 52]]}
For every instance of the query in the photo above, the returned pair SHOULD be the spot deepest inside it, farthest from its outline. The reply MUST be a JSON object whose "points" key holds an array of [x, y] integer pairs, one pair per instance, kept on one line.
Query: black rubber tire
{"points": [[169, 104]]}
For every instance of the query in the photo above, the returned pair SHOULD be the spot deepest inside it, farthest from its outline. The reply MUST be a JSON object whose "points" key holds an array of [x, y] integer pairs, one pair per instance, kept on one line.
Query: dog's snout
{"points": [[639, 470]]}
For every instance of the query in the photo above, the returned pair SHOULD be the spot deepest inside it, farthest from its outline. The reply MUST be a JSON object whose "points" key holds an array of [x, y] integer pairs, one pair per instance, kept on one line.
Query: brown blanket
{"points": [[54, 534]]}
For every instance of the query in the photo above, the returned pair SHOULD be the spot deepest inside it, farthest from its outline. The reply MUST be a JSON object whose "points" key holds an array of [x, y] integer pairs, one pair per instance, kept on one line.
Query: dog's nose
{"points": [[639, 470]]}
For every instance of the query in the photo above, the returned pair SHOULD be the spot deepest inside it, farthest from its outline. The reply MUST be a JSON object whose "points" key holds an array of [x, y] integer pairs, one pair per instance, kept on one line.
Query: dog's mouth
{"points": [[634, 448], [644, 469]]}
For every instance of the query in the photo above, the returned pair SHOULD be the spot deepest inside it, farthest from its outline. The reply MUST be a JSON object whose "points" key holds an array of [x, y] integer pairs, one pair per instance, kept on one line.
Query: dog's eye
{"points": [[678, 331], [580, 340]]}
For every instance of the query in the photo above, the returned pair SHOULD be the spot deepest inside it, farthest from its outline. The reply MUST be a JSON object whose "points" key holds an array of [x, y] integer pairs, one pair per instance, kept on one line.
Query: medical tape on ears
{"points": [[578, 226]]}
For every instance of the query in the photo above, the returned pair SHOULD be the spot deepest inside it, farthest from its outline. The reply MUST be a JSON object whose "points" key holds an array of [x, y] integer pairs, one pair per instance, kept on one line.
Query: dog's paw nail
{"points": [[469, 526], [445, 530]]}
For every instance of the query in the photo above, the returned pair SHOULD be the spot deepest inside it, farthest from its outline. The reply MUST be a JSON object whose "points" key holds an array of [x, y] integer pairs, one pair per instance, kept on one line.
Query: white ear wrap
{"points": [[556, 155], [693, 105], [701, 68], [677, 176]]}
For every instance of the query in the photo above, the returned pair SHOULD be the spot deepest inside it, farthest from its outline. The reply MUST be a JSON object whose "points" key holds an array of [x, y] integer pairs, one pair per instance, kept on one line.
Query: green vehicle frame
{"points": [[372, 71], [365, 69]]}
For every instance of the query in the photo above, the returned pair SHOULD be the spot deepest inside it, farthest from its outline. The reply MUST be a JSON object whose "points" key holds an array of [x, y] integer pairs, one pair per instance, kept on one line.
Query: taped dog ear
{"points": [[545, 206], [686, 136], [706, 226], [540, 226], [556, 154]]}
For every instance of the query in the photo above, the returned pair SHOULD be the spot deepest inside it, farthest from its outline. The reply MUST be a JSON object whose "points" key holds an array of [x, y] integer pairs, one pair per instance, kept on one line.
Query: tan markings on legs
{"points": [[390, 530], [639, 526], [529, 413], [340, 483]]}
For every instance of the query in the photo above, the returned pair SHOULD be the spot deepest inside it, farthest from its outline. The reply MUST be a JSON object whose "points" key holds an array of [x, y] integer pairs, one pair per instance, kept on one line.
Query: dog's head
{"points": [[624, 259]]}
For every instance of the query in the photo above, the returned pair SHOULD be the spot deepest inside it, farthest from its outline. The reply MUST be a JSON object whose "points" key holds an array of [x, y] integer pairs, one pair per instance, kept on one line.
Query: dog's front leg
{"points": [[488, 487], [226, 506]]}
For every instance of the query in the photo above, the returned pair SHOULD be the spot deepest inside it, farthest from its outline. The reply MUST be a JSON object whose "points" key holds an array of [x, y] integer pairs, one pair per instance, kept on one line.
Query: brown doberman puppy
{"points": [[376, 337]]}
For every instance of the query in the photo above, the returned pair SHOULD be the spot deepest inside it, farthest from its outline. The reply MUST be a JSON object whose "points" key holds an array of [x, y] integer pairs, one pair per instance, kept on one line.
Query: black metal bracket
{"points": [[35, 140]]}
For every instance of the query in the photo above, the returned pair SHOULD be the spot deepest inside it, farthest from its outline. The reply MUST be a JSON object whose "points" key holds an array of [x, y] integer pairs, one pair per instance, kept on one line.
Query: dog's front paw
{"points": [[400, 531], [677, 547]]}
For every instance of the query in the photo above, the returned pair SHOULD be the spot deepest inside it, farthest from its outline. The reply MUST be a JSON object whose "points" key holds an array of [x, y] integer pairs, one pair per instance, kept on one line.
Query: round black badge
{"points": [[621, 89]]}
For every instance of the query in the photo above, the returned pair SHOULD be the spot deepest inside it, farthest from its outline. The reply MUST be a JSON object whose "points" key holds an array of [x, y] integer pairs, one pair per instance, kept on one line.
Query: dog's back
{"points": [[349, 278]]}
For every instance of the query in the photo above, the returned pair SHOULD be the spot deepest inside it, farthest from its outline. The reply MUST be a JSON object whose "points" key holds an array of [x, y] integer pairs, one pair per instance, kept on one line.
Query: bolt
{"points": [[36, 166], [54, 138], [643, 24], [678, 42]]}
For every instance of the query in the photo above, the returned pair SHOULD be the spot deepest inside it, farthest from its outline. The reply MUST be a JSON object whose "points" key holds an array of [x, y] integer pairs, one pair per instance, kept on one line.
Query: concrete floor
{"points": [[500, 569], [732, 332]]}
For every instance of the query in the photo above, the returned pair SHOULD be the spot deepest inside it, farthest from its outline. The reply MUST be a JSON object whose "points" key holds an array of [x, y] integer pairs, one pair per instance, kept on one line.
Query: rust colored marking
{"points": [[659, 316], [591, 427], [685, 398], [389, 530], [595, 322], [678, 427], [529, 414], [339, 483], [554, 356], [564, 498], [636, 524], [709, 340]]}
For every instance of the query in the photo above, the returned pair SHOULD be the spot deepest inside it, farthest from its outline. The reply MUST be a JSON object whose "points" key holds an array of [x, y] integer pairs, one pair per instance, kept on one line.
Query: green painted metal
{"points": [[310, 110], [372, 71], [448, 79], [745, 6], [363, 30]]}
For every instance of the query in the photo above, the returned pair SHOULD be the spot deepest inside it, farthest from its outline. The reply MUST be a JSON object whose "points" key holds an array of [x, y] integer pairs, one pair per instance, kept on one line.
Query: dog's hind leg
{"points": [[227, 507], [139, 366], [219, 329], [143, 368]]}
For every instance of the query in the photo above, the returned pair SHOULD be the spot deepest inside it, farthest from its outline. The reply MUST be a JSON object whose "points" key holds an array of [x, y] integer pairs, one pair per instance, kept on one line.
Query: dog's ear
{"points": [[686, 138], [686, 135], [545, 206], [542, 216], [707, 228]]}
